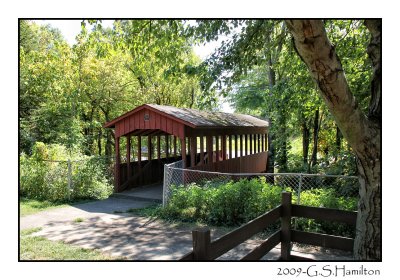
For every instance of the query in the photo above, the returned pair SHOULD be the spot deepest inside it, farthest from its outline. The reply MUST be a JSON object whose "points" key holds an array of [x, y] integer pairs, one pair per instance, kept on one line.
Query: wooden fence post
{"points": [[285, 225], [201, 244]]}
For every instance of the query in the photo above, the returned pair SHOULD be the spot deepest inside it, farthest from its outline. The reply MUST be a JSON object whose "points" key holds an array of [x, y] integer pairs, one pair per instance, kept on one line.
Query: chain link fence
{"points": [[67, 168], [300, 184], [65, 179]]}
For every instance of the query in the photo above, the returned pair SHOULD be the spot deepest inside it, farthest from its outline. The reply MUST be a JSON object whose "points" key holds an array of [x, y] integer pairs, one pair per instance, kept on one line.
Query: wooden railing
{"points": [[205, 249]]}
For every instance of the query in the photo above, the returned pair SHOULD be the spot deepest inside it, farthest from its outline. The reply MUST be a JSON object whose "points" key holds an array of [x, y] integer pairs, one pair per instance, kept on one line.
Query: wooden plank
{"points": [[193, 151], [147, 120], [152, 120], [169, 126], [131, 123], [223, 144], [262, 142], [325, 214], [158, 147], [210, 130], [141, 120], [167, 147], [201, 150], [323, 240], [164, 124], [247, 164], [175, 129], [246, 143], [175, 148], [286, 214], [139, 151], [230, 146], [181, 131], [201, 243], [236, 146], [128, 157], [217, 148], [137, 125], [183, 152], [234, 238], [188, 257], [149, 148], [117, 178], [258, 143], [158, 121], [116, 130], [251, 144], [299, 258], [262, 249], [209, 143], [241, 145]]}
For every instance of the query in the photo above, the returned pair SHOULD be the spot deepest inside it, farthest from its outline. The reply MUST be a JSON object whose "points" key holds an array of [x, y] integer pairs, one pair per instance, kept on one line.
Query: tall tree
{"points": [[361, 131]]}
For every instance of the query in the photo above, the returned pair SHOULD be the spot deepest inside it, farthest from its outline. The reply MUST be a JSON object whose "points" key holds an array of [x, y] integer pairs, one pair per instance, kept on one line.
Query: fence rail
{"points": [[205, 249]]}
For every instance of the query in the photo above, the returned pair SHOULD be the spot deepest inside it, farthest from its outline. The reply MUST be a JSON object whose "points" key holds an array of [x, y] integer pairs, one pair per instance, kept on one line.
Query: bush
{"points": [[42, 179], [231, 203], [234, 203], [327, 198]]}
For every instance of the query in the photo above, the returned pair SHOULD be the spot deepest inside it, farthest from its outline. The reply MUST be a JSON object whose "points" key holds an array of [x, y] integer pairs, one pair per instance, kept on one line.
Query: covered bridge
{"points": [[212, 141]]}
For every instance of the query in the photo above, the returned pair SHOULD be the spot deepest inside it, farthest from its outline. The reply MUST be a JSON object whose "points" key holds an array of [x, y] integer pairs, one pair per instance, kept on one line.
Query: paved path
{"points": [[133, 237], [85, 211]]}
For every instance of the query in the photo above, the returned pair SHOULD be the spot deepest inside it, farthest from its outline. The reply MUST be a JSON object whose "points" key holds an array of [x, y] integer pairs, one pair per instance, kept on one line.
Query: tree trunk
{"points": [[99, 136], [315, 139], [108, 147], [338, 143], [306, 141], [361, 132]]}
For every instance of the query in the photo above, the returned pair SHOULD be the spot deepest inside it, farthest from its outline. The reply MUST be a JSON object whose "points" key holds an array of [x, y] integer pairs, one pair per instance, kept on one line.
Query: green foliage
{"points": [[259, 70], [78, 220], [68, 93], [231, 203], [43, 179], [327, 198], [234, 203]]}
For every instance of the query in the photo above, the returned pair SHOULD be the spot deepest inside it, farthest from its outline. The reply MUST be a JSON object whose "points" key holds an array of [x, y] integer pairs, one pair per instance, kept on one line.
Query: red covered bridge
{"points": [[212, 141]]}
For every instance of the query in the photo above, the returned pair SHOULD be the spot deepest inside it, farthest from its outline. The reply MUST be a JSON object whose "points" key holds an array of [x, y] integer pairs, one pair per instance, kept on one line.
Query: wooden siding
{"points": [[255, 163], [155, 121]]}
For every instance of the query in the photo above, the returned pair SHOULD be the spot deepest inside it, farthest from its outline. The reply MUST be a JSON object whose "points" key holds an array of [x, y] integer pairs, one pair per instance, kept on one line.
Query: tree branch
{"points": [[315, 49]]}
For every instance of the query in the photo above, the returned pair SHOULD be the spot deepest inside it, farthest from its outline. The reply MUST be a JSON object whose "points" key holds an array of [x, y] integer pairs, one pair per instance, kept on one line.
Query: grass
{"points": [[39, 248], [149, 211], [78, 220], [29, 206]]}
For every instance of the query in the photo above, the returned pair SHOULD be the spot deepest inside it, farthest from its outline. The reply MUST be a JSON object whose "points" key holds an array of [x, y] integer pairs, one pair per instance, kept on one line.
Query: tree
{"points": [[253, 42], [361, 131]]}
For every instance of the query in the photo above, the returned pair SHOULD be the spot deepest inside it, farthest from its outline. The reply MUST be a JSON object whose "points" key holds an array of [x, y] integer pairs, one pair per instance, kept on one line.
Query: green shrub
{"points": [[231, 203], [327, 198], [42, 179], [234, 203]]}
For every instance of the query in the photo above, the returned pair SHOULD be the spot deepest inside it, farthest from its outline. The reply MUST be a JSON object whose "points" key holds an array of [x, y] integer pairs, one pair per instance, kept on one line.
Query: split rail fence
{"points": [[204, 249]]}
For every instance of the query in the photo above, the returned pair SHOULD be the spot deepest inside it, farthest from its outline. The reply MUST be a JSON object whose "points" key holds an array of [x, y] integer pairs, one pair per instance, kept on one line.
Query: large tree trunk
{"points": [[361, 132]]}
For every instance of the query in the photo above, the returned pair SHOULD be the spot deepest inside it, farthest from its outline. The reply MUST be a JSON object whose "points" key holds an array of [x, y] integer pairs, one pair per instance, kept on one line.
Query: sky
{"points": [[71, 28]]}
